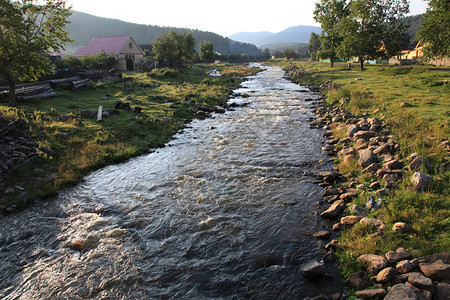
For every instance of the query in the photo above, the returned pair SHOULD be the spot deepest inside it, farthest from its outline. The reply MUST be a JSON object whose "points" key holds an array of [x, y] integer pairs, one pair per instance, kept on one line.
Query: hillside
{"points": [[84, 27], [414, 22], [295, 34], [283, 46]]}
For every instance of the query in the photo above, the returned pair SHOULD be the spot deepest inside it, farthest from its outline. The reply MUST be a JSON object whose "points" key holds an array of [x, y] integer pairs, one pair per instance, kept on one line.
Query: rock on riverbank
{"points": [[370, 144]]}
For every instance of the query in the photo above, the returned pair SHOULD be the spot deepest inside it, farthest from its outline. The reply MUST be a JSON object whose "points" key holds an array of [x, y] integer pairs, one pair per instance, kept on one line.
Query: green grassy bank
{"points": [[79, 145], [415, 103]]}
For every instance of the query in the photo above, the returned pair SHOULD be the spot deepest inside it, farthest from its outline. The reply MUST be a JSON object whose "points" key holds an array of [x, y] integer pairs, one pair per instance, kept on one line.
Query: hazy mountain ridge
{"points": [[283, 46], [83, 27], [295, 34], [302, 34]]}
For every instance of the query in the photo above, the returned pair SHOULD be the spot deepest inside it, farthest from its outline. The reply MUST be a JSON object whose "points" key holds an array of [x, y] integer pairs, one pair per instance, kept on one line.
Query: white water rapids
{"points": [[226, 211]]}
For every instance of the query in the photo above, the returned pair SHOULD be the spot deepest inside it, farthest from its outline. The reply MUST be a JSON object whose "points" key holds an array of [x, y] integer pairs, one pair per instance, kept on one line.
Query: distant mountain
{"points": [[84, 27], [251, 37], [296, 34]]}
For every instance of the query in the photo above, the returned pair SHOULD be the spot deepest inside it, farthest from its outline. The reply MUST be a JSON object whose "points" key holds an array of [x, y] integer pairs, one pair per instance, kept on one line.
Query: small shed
{"points": [[127, 52]]}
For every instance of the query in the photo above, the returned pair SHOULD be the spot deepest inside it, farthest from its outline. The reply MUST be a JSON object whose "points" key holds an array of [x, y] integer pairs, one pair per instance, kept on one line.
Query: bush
{"points": [[163, 73], [96, 62], [210, 81]]}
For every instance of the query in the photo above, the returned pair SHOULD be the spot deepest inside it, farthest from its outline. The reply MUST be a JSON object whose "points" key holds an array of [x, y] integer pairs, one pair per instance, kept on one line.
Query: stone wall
{"points": [[16, 148]]}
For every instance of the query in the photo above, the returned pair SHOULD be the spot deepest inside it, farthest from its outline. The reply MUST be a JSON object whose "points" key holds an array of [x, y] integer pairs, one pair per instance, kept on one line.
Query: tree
{"points": [[314, 45], [289, 53], [266, 54], [395, 36], [369, 23], [174, 48], [277, 53], [28, 31], [329, 14], [147, 54], [94, 61], [206, 51], [435, 31], [98, 61]]}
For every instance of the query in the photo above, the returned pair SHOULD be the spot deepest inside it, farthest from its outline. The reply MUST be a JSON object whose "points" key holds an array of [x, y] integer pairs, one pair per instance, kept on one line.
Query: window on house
{"points": [[130, 45]]}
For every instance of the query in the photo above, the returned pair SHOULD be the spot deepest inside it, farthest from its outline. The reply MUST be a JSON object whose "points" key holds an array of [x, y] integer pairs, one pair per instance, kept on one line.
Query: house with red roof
{"points": [[123, 47]]}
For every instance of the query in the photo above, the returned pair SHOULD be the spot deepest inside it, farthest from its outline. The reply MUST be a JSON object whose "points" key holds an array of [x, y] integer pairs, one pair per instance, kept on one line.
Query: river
{"points": [[226, 211]]}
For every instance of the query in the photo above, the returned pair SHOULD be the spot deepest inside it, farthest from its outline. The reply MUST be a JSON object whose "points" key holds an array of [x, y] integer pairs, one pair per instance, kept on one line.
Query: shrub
{"points": [[210, 81], [97, 61], [163, 73]]}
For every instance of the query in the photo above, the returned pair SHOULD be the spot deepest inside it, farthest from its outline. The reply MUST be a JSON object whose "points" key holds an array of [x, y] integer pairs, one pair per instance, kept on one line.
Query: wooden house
{"points": [[126, 51]]}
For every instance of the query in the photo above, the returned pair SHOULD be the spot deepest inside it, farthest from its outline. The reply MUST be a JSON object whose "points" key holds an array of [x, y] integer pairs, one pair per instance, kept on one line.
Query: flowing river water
{"points": [[226, 211]]}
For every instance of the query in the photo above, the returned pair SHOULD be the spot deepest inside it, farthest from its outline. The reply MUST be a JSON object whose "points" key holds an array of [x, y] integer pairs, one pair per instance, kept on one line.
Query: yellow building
{"points": [[413, 54]]}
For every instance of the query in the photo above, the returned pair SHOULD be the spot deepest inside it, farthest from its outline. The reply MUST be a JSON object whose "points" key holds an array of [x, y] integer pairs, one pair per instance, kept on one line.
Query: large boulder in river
{"points": [[313, 270]]}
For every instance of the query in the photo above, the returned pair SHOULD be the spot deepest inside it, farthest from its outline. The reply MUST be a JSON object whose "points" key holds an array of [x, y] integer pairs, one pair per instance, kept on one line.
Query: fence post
{"points": [[99, 113]]}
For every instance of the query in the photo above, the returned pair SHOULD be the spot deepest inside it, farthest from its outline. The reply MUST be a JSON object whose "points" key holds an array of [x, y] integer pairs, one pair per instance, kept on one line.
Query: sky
{"points": [[222, 17]]}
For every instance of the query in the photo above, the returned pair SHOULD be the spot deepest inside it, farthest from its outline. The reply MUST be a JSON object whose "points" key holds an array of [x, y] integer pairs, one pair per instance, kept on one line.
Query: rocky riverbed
{"points": [[395, 274]]}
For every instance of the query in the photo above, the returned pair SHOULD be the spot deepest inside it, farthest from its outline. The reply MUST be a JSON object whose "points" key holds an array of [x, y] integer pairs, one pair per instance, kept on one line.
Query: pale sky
{"points": [[223, 17]]}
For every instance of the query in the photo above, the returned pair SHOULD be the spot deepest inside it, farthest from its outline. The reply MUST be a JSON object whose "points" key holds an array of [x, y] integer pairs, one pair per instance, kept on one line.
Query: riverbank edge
{"points": [[397, 272], [16, 198]]}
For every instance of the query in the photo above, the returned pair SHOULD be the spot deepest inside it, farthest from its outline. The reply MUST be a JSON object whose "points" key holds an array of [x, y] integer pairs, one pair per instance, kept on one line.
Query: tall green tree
{"points": [[289, 53], [370, 22], [266, 53], [395, 35], [435, 31], [277, 53], [314, 45], [329, 14], [28, 31], [174, 48], [206, 51]]}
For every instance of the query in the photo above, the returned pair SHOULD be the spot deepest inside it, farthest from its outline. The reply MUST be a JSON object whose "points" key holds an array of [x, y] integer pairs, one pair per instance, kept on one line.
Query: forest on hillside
{"points": [[414, 23], [83, 27]]}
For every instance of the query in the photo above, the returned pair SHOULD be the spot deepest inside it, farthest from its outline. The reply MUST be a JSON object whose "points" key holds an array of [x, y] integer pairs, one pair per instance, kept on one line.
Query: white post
{"points": [[99, 113]]}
